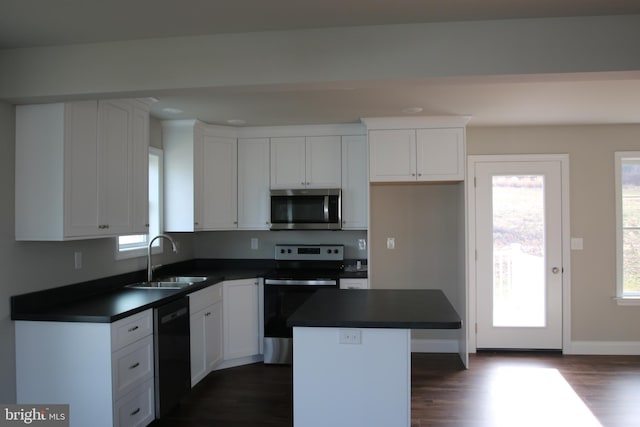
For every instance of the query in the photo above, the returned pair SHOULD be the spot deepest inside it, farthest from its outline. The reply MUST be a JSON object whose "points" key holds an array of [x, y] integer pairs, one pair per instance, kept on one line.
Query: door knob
{"points": [[555, 270]]}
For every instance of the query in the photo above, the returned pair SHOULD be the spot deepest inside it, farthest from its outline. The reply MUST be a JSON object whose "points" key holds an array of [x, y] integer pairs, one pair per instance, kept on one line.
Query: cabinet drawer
{"points": [[131, 329], [136, 408], [132, 365], [205, 297]]}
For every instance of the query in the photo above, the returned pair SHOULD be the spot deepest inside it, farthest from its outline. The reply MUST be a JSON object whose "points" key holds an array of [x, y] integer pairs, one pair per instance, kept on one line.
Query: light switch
{"points": [[576, 244], [254, 243], [391, 242]]}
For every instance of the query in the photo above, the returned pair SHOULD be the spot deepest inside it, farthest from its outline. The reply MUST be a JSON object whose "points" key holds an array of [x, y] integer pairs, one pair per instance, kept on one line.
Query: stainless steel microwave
{"points": [[313, 209]]}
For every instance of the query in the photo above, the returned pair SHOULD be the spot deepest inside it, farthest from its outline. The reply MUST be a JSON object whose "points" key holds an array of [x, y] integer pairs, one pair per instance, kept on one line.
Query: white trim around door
{"points": [[566, 239]]}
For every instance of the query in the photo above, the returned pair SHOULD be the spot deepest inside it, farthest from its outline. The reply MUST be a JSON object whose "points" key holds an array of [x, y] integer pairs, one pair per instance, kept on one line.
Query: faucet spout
{"points": [[174, 248]]}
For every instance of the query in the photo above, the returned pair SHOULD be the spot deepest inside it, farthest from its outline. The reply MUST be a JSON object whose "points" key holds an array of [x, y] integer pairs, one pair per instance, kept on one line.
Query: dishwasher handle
{"points": [[174, 315]]}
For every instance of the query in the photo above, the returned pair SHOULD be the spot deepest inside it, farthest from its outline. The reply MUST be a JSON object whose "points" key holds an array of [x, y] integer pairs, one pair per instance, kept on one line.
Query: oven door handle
{"points": [[295, 282]]}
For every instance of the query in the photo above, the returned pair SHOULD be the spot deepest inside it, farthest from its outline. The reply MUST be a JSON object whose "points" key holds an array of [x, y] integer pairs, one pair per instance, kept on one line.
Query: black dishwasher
{"points": [[172, 354]]}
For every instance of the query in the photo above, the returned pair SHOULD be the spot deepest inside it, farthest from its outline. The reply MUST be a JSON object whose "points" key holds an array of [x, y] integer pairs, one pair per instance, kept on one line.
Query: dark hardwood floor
{"points": [[499, 389]]}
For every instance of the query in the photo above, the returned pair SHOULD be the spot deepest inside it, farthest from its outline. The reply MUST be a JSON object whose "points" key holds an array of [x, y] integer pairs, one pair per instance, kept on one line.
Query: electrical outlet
{"points": [[254, 243], [77, 260], [362, 244], [350, 336], [391, 242]]}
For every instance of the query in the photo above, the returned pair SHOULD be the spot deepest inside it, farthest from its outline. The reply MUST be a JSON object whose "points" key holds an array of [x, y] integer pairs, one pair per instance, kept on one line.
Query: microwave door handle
{"points": [[326, 209]]}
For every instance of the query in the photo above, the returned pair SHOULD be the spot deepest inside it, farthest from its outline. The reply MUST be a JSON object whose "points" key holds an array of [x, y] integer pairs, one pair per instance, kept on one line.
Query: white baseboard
{"points": [[232, 363], [434, 346], [604, 347]]}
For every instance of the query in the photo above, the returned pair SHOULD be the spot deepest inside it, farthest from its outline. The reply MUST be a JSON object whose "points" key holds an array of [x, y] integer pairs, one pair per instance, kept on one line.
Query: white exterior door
{"points": [[518, 252]]}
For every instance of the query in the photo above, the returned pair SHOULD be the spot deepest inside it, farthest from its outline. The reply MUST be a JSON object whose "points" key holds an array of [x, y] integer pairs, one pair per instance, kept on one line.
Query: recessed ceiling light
{"points": [[171, 110], [411, 110], [236, 122]]}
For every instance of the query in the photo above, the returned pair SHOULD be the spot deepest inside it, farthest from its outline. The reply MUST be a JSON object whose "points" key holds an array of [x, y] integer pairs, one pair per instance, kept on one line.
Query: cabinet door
{"points": [[213, 333], [392, 155], [197, 340], [206, 341], [115, 166], [219, 175], [253, 184], [288, 162], [140, 171], [81, 169], [323, 162], [355, 186], [198, 179], [440, 154], [240, 318], [182, 144]]}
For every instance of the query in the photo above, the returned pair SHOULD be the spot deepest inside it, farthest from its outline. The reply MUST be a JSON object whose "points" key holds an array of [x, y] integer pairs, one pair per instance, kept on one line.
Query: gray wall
{"points": [[237, 244], [34, 266], [429, 249]]}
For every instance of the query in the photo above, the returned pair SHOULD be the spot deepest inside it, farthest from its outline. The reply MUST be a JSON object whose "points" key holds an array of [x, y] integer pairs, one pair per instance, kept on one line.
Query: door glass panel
{"points": [[518, 251]]}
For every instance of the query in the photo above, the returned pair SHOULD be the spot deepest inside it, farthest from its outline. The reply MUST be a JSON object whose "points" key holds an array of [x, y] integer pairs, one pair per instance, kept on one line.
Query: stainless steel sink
{"points": [[182, 279], [173, 282], [160, 285]]}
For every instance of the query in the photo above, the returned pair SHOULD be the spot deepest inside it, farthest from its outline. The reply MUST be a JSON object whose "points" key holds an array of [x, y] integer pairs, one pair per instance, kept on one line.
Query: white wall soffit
{"points": [[477, 48]]}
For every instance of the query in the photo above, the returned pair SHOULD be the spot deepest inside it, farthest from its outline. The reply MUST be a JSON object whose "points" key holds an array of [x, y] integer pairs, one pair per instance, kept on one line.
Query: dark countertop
{"points": [[377, 308], [107, 300]]}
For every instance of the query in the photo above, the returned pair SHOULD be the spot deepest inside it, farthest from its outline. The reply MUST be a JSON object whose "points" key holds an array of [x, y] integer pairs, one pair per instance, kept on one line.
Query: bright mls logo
{"points": [[36, 415]]}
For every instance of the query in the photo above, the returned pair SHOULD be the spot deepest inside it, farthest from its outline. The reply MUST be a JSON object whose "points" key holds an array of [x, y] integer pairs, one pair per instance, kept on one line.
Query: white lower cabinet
{"points": [[137, 408], [205, 307], [240, 318], [103, 371], [354, 283]]}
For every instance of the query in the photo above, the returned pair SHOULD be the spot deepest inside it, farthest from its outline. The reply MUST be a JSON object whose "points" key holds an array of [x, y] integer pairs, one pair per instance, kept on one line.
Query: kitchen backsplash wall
{"points": [[237, 244]]}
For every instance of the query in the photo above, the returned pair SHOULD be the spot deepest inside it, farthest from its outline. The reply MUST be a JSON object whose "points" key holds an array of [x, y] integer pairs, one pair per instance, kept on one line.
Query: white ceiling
{"points": [[578, 99]]}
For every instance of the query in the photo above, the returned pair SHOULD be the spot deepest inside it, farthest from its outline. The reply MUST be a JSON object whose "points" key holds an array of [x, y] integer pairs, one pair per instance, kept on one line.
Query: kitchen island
{"points": [[352, 354]]}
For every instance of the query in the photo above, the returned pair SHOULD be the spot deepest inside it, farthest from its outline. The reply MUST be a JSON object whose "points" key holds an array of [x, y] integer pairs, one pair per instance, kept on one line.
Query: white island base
{"points": [[351, 384]]}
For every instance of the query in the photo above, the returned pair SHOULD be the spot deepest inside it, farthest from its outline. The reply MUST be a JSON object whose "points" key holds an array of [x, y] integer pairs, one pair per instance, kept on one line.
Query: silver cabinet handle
{"points": [[135, 412], [135, 365], [133, 328]]}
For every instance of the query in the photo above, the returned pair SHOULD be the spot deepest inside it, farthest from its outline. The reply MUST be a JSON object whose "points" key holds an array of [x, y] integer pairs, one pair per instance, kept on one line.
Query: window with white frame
{"points": [[136, 245], [627, 166]]}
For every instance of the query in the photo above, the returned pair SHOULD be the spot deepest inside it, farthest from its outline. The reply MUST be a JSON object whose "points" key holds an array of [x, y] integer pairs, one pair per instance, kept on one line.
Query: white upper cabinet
{"points": [[440, 154], [355, 186], [81, 170], [392, 155], [115, 166], [182, 144], [323, 162], [306, 162], [200, 172], [416, 149], [253, 184], [219, 182]]}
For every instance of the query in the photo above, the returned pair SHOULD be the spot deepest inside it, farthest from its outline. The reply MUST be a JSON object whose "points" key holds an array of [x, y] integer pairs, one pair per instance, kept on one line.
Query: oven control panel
{"points": [[309, 252]]}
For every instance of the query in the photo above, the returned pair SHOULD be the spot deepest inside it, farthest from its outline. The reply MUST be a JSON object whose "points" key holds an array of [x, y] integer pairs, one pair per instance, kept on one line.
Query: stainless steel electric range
{"points": [[300, 271]]}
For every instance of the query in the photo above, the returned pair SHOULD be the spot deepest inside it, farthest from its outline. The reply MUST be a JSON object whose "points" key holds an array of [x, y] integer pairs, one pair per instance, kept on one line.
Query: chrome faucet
{"points": [[174, 248]]}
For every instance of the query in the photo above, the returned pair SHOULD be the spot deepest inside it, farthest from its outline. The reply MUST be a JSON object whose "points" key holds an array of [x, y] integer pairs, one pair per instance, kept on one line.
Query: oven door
{"points": [[281, 298]]}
